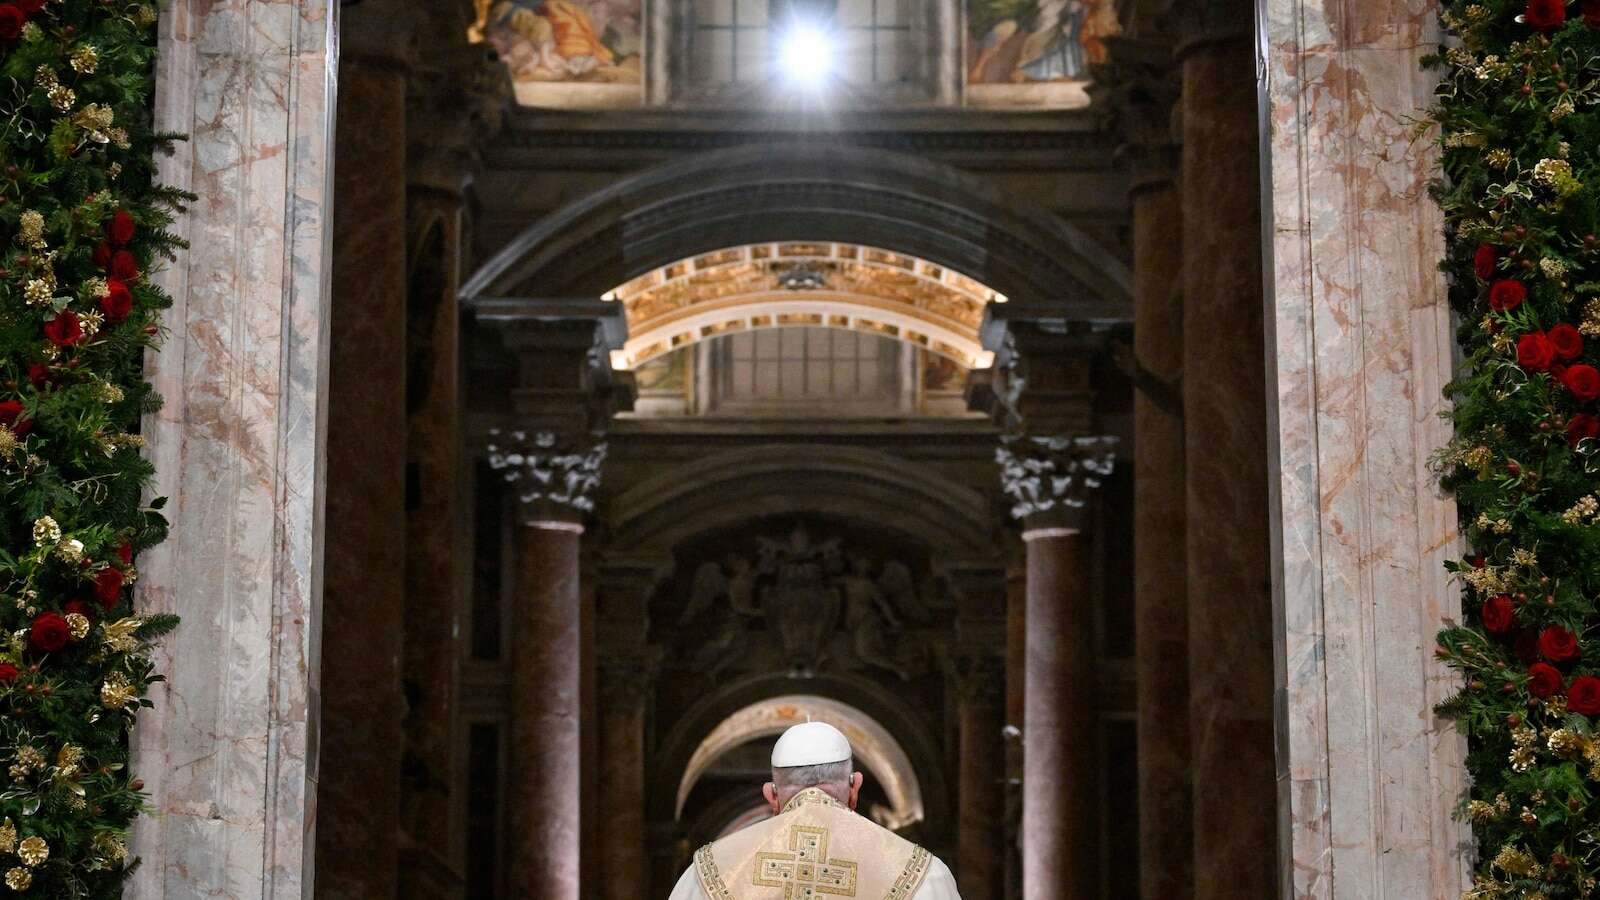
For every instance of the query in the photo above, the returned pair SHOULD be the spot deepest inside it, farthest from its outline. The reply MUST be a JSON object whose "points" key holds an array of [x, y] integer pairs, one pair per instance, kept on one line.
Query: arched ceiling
{"points": [[873, 745], [805, 192], [818, 283]]}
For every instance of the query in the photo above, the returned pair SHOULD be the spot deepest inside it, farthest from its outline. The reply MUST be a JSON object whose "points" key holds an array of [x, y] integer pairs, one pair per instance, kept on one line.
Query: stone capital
{"points": [[553, 475], [1051, 480]]}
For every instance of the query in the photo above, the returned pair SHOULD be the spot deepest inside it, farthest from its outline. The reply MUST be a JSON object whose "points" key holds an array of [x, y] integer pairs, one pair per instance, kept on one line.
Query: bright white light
{"points": [[620, 362], [806, 55]]}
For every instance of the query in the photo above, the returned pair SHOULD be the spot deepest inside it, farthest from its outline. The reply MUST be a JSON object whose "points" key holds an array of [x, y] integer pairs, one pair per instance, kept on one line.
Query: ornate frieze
{"points": [[1053, 474], [824, 605], [548, 470]]}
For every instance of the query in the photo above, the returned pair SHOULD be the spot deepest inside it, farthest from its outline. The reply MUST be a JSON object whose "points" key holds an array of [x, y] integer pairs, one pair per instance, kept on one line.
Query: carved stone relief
{"points": [[809, 604]]}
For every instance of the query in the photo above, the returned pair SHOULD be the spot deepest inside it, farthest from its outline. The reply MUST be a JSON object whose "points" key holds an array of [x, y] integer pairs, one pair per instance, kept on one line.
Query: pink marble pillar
{"points": [[552, 477], [979, 680], [1060, 809], [364, 586], [1225, 427], [1051, 481], [1361, 340], [626, 685], [543, 801], [229, 753]]}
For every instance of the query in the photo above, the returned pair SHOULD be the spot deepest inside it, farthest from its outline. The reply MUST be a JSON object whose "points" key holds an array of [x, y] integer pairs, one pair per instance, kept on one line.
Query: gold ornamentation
{"points": [[806, 871], [710, 878], [910, 877]]}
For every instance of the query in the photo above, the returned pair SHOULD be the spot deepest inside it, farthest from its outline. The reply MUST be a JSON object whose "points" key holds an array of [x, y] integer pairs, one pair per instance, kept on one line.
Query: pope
{"points": [[815, 844]]}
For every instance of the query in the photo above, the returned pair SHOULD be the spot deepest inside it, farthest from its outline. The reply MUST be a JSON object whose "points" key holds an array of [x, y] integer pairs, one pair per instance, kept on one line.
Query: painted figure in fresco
{"points": [[1039, 40], [566, 40]]}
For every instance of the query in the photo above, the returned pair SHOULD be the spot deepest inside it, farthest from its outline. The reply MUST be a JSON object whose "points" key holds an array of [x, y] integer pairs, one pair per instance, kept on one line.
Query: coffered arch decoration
{"points": [[806, 191], [724, 489], [815, 283], [874, 746]]}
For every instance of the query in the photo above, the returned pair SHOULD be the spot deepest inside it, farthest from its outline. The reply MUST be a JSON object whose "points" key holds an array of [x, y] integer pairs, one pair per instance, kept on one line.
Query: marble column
{"points": [[229, 753], [1144, 95], [978, 677], [1051, 481], [627, 682], [363, 610], [553, 478], [1224, 412], [1361, 338]]}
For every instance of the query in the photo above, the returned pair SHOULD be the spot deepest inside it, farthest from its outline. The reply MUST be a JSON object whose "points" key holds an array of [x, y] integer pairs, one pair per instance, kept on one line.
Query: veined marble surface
{"points": [[1360, 335], [229, 752]]}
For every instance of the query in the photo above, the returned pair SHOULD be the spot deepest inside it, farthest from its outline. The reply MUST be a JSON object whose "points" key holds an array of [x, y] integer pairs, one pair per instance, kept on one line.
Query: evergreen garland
{"points": [[81, 226], [1518, 110]]}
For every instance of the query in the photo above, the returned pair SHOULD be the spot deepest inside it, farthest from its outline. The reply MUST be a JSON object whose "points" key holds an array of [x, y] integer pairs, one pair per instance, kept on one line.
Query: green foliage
{"points": [[1518, 113], [81, 226]]}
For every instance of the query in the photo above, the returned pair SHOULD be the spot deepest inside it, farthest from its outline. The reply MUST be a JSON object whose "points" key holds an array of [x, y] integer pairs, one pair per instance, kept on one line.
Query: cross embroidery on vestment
{"points": [[807, 872]]}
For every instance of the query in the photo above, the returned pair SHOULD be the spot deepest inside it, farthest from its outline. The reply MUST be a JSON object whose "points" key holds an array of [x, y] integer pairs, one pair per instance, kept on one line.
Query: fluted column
{"points": [[1050, 481], [553, 478], [626, 685], [978, 676], [1229, 569]]}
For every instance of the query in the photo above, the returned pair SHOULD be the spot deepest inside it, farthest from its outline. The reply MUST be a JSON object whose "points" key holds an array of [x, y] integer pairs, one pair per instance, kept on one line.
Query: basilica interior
{"points": [[701, 367], [702, 405]]}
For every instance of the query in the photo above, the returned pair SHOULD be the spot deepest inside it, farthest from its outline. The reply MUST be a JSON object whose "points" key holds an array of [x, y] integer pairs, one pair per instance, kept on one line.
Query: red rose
{"points": [[1591, 13], [1583, 381], [64, 330], [1484, 259], [1545, 14], [1558, 644], [79, 607], [1583, 695], [8, 673], [1506, 294], [49, 632], [108, 587], [102, 255], [11, 417], [1582, 426], [1497, 615], [12, 19], [125, 267], [30, 7], [125, 553], [39, 375], [1567, 341], [120, 228], [1543, 680], [1535, 352], [117, 302]]}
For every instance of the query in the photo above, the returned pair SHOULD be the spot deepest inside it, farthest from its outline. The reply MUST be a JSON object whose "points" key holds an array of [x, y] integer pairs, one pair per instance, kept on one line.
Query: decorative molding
{"points": [[548, 470], [1053, 474]]}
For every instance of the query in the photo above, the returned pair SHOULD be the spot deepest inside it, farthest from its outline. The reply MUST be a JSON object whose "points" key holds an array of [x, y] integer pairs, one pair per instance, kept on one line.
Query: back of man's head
{"points": [[812, 755]]}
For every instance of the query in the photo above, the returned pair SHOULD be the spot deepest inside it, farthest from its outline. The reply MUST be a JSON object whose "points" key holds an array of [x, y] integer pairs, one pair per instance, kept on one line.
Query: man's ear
{"points": [[855, 788], [770, 791]]}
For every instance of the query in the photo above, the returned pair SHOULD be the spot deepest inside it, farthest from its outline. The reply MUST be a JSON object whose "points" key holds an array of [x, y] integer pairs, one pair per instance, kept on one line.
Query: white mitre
{"points": [[810, 744]]}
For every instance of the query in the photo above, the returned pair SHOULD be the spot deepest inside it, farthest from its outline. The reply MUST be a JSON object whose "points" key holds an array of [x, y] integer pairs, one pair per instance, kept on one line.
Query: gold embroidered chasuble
{"points": [[814, 849]]}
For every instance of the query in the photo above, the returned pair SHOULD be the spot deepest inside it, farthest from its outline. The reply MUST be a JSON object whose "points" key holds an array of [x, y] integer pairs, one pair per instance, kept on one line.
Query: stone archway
{"points": [[777, 192], [875, 746]]}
